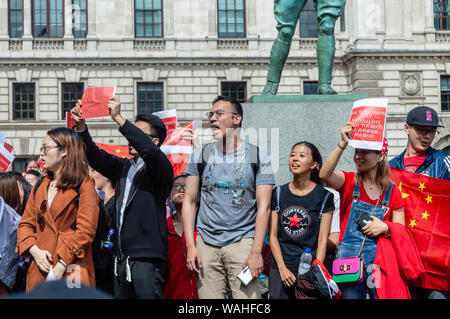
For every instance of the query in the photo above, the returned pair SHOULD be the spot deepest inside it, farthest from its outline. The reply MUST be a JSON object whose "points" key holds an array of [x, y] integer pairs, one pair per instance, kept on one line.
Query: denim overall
{"points": [[353, 239]]}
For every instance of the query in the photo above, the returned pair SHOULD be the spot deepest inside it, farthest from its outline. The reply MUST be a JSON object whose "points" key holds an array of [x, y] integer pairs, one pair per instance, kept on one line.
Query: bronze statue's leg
{"points": [[325, 54], [286, 14], [327, 12]]}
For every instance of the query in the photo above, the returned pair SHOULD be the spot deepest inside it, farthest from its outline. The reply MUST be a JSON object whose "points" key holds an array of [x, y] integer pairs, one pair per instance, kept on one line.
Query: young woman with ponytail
{"points": [[60, 220], [368, 190], [301, 219]]}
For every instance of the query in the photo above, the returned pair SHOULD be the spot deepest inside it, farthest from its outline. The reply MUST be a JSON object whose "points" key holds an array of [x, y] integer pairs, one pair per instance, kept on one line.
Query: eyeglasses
{"points": [[425, 131], [45, 148], [219, 113], [178, 187]]}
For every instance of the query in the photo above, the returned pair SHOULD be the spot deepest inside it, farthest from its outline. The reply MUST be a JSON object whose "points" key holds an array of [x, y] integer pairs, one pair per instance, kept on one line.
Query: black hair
{"points": [[235, 104], [179, 176], [316, 158], [26, 190], [157, 126], [33, 172]]}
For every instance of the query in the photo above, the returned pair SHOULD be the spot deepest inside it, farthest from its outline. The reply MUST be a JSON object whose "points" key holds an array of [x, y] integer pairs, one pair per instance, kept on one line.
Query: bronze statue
{"points": [[287, 13]]}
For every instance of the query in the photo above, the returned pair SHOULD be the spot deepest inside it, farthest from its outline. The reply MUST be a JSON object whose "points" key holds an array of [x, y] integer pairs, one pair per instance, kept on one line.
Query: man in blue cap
{"points": [[420, 158]]}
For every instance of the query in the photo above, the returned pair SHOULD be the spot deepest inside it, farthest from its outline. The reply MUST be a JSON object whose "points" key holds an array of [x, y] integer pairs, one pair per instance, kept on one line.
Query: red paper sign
{"points": [[94, 102], [368, 119], [368, 123], [8, 147]]}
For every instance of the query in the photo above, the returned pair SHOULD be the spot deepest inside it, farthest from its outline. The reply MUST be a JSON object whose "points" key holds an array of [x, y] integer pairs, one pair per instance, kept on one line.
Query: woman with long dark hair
{"points": [[60, 220], [370, 191], [300, 219]]}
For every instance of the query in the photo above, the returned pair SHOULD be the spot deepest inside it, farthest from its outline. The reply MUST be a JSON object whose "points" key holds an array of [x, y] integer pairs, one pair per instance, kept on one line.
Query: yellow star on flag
{"points": [[118, 151], [404, 195], [425, 215], [422, 186], [429, 199], [412, 223]]}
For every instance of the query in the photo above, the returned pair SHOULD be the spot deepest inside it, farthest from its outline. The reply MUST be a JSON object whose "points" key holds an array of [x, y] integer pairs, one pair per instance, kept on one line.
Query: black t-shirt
{"points": [[299, 223]]}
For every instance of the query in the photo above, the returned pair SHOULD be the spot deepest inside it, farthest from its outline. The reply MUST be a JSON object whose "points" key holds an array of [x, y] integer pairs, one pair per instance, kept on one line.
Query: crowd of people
{"points": [[134, 230]]}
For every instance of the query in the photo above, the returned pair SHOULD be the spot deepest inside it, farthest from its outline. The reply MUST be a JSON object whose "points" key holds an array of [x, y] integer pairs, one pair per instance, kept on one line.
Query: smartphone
{"points": [[363, 220], [245, 276]]}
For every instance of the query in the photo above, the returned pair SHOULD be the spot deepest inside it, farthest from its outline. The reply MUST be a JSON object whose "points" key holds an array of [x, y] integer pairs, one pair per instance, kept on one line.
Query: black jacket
{"points": [[144, 230]]}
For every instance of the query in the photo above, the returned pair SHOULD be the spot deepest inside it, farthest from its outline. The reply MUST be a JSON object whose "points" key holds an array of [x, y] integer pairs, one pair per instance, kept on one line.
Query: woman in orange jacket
{"points": [[60, 220]]}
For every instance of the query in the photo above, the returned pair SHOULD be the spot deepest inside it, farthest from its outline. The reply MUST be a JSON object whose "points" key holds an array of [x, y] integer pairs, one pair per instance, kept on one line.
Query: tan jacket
{"points": [[54, 234]]}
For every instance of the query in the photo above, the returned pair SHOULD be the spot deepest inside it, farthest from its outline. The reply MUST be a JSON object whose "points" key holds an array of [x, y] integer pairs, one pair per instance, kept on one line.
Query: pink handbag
{"points": [[348, 270]]}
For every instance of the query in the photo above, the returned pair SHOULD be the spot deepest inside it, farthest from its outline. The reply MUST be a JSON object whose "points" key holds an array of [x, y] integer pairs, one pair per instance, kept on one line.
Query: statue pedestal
{"points": [[277, 122]]}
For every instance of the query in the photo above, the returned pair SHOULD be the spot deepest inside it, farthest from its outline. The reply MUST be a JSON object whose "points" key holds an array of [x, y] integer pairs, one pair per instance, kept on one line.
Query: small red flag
{"points": [[70, 122], [117, 150], [9, 147], [427, 215], [6, 158], [40, 163], [94, 102], [177, 149]]}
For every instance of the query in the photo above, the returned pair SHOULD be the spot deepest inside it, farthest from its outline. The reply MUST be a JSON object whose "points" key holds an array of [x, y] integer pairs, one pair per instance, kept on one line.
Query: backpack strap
{"points": [[254, 159], [205, 153], [277, 198], [324, 202]]}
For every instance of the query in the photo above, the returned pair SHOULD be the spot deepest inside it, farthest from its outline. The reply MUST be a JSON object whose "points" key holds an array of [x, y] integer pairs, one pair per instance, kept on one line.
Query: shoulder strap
{"points": [[254, 158], [205, 153], [325, 201], [277, 198]]}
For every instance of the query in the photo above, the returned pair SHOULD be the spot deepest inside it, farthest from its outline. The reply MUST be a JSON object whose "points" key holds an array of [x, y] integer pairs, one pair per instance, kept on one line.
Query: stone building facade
{"points": [[394, 49]]}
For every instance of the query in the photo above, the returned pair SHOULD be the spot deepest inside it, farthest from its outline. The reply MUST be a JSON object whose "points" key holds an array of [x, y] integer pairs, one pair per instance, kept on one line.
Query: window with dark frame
{"points": [[445, 93], [310, 87], [79, 18], [149, 97], [235, 90], [309, 27], [19, 164], [24, 101], [71, 93], [15, 16], [148, 18], [48, 18], [231, 18], [441, 14]]}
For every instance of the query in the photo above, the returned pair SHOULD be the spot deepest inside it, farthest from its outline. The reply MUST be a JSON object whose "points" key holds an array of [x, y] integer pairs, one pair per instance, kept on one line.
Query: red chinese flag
{"points": [[427, 215], [70, 122], [94, 102], [117, 150], [177, 149]]}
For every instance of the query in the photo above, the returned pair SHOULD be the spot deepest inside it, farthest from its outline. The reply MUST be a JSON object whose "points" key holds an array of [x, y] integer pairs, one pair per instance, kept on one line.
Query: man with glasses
{"points": [[420, 158], [234, 206], [142, 185]]}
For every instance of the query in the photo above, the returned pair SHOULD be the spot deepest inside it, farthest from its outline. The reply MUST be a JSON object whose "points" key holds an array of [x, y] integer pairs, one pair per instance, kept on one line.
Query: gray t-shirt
{"points": [[228, 209]]}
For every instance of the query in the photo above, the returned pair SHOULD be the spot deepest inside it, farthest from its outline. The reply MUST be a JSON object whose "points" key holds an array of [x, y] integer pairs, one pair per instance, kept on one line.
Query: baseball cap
{"points": [[423, 116]]}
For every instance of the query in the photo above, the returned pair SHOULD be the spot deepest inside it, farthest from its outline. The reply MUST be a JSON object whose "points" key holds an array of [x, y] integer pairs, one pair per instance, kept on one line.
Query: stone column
{"points": [[92, 26], [68, 23], [362, 23], [4, 37], [27, 27]]}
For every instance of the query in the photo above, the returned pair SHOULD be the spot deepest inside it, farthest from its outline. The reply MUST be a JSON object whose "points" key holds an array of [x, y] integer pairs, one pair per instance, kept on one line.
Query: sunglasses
{"points": [[179, 187]]}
